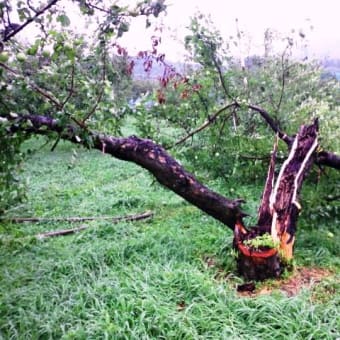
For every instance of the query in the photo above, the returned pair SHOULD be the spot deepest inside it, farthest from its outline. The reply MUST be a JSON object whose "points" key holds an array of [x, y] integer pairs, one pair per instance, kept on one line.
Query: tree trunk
{"points": [[278, 213]]}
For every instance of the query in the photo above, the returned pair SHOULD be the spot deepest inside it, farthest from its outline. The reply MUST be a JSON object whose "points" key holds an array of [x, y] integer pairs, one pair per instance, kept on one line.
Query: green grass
{"points": [[148, 279]]}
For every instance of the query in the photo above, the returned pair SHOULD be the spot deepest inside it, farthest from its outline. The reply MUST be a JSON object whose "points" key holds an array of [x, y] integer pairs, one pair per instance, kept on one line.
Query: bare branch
{"points": [[209, 121], [113, 220], [71, 91], [100, 95], [220, 75], [62, 232], [117, 219], [28, 21], [270, 121], [283, 80]]}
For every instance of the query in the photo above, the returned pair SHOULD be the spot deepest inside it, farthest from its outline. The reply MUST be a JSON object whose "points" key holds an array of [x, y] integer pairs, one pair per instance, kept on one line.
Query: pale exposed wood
{"points": [[265, 210]]}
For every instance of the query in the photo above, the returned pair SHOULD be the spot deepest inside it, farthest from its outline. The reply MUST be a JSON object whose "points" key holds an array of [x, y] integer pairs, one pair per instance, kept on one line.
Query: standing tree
{"points": [[65, 87]]}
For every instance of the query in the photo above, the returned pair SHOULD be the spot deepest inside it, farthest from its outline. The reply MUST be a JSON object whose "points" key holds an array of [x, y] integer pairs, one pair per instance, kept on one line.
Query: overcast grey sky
{"points": [[254, 16]]}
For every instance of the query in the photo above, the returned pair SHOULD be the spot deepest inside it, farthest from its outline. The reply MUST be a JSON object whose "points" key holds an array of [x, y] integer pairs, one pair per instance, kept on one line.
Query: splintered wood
{"points": [[279, 210]]}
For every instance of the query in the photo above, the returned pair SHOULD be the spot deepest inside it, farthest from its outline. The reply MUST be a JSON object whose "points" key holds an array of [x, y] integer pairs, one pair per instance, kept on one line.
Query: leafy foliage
{"points": [[260, 241], [292, 90], [70, 76]]}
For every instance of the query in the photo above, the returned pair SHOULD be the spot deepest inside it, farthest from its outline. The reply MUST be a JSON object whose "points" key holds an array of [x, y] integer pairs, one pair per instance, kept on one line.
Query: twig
{"points": [[100, 95], [209, 121], [270, 121], [220, 75], [70, 93], [88, 4], [35, 87], [60, 232], [258, 158], [44, 93], [56, 143], [283, 82], [136, 217], [37, 14]]}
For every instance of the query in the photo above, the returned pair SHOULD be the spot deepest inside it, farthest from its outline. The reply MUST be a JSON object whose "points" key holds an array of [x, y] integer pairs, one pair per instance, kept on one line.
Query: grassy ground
{"points": [[147, 279]]}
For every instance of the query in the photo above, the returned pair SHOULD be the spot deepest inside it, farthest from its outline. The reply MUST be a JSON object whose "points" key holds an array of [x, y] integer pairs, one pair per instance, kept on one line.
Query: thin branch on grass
{"points": [[135, 217], [114, 220], [62, 232]]}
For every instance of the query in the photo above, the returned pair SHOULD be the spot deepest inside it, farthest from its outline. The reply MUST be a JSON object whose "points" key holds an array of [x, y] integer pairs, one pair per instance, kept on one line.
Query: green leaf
{"points": [[64, 20], [32, 50]]}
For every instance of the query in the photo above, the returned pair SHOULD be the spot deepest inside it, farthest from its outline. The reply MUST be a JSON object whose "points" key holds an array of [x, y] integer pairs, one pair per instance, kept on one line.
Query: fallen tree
{"points": [[279, 210]]}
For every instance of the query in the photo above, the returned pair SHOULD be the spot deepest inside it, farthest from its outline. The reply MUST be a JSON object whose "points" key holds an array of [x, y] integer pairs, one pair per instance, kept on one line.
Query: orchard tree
{"points": [[64, 86]]}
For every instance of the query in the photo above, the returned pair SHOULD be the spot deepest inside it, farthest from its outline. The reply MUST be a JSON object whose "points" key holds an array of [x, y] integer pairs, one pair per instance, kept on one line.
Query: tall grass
{"points": [[142, 280]]}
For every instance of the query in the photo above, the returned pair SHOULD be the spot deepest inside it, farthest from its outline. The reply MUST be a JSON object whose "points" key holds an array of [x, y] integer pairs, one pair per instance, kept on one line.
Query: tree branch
{"points": [[209, 121], [283, 81], [328, 158], [220, 75], [117, 219], [71, 91], [37, 14], [44, 93], [101, 92], [270, 121], [157, 161], [322, 158], [114, 220]]}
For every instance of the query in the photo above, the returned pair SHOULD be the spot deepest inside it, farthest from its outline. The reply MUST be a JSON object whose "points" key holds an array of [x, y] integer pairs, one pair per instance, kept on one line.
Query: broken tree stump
{"points": [[265, 250]]}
